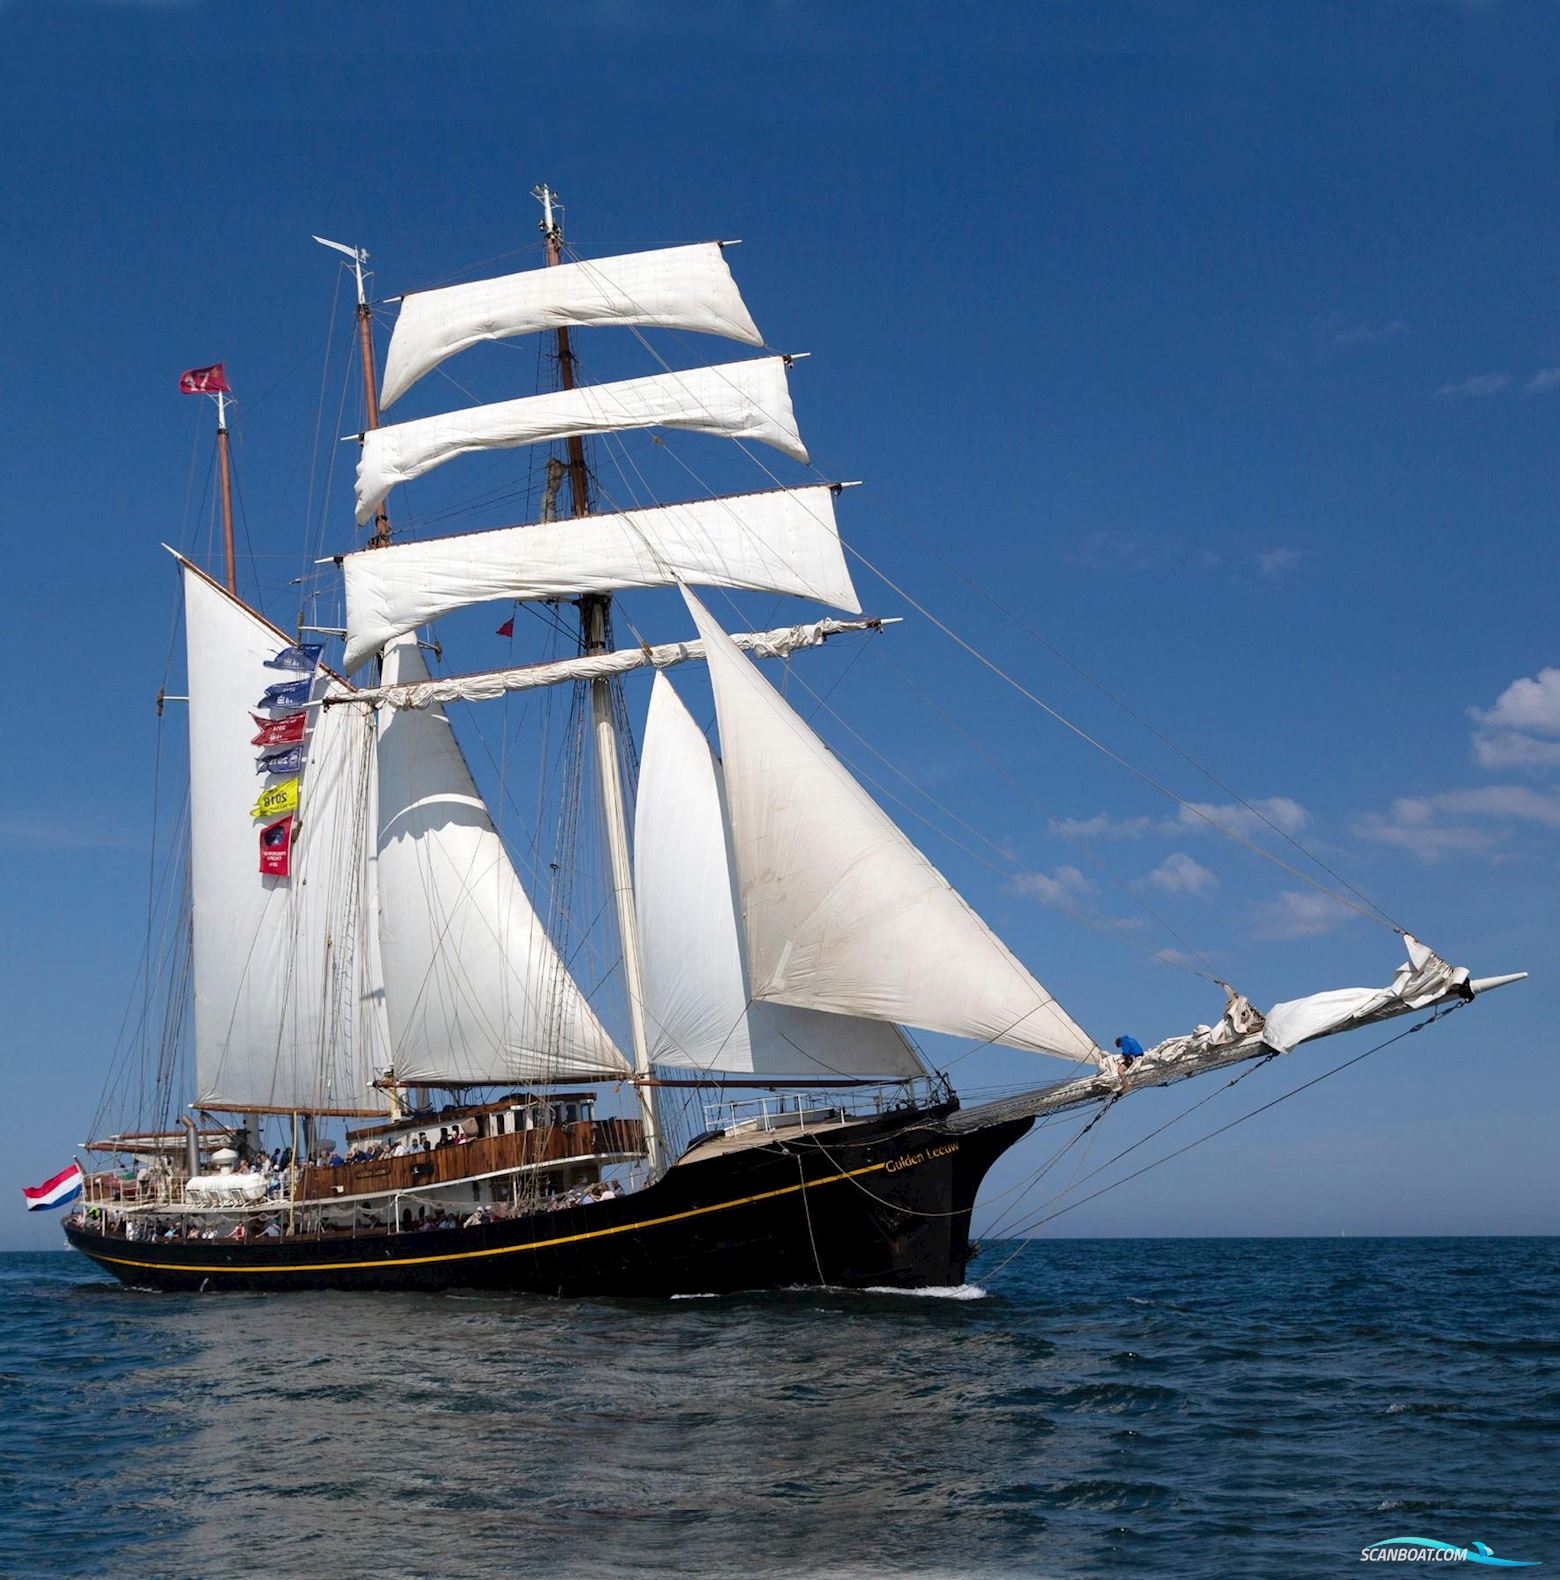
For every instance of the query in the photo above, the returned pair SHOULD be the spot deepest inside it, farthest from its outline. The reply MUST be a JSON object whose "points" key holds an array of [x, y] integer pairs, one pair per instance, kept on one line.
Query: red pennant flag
{"points": [[205, 381], [507, 628], [276, 847], [280, 732]]}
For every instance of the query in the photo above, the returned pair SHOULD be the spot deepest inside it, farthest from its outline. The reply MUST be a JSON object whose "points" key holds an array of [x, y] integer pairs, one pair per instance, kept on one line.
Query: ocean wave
{"points": [[932, 1292]]}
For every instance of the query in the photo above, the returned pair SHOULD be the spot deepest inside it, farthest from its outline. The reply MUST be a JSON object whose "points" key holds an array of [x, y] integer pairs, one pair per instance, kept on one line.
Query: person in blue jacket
{"points": [[1130, 1048]]}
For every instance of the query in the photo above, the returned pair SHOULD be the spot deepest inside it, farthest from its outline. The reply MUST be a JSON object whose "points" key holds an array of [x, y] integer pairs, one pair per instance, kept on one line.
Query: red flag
{"points": [[280, 732], [205, 381], [276, 847], [507, 628]]}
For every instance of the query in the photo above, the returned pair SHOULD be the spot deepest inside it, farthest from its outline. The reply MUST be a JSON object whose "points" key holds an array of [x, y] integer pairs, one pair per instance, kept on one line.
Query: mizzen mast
{"points": [[594, 608], [225, 472]]}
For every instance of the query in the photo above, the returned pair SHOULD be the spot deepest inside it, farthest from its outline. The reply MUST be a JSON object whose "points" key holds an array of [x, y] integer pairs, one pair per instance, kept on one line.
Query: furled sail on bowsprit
{"points": [[738, 400], [701, 1014], [670, 288], [287, 1009], [475, 990], [842, 912], [783, 541]]}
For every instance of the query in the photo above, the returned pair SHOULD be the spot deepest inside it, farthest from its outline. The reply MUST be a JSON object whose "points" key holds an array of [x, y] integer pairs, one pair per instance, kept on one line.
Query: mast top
{"points": [[551, 226], [358, 255]]}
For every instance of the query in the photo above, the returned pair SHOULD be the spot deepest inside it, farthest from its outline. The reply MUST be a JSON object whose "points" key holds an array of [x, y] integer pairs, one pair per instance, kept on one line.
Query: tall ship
{"points": [[656, 1035]]}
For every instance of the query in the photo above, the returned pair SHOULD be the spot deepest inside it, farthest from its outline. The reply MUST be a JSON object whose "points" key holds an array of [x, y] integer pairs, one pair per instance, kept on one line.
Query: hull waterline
{"points": [[885, 1203]]}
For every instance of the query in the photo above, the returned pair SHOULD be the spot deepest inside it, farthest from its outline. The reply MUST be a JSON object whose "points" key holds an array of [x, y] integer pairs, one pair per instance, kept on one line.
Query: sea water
{"points": [[1081, 1408]]}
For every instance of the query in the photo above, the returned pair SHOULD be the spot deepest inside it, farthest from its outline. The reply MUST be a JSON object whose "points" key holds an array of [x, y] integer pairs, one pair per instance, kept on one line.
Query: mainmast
{"points": [[593, 628], [365, 318]]}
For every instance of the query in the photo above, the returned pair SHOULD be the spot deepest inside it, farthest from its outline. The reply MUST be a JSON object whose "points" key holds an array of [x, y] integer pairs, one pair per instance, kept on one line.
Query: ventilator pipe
{"points": [[191, 1146]]}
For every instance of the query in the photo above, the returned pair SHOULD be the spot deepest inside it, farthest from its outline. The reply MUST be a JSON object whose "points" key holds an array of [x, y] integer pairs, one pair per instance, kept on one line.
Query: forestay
{"points": [[697, 1004], [738, 400], [784, 541], [842, 912], [287, 1013], [475, 989], [673, 288]]}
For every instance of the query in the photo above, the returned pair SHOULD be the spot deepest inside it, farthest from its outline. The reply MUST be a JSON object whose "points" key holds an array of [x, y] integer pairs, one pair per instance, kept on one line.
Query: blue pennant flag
{"points": [[288, 762], [302, 658], [286, 694]]}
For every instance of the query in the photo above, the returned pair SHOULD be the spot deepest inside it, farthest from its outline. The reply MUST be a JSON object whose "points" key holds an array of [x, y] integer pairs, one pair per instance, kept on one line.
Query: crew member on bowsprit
{"points": [[1130, 1048]]}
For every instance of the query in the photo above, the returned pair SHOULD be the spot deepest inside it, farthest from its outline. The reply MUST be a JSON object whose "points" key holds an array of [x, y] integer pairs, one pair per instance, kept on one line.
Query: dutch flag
{"points": [[56, 1192]]}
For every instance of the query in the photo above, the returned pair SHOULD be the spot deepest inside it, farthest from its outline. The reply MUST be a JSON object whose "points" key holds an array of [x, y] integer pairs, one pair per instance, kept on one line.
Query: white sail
{"points": [[784, 541], [474, 987], [738, 400], [697, 1006], [841, 911], [286, 1013], [673, 288], [491, 683]]}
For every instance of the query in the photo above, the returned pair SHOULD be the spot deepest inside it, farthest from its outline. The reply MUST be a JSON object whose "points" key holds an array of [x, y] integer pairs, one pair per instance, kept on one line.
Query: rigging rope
{"points": [[1240, 1119]]}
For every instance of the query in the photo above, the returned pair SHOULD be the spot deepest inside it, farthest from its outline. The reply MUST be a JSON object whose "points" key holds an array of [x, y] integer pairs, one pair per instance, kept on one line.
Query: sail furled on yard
{"points": [[697, 1004], [489, 684], [475, 990], [287, 1012], [737, 400], [841, 911], [781, 541], [671, 288]]}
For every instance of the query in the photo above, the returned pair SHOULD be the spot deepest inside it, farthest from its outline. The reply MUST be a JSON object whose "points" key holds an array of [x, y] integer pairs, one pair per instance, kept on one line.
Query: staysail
{"points": [[287, 1013], [842, 912], [738, 400], [474, 988], [699, 1011], [784, 541], [671, 288]]}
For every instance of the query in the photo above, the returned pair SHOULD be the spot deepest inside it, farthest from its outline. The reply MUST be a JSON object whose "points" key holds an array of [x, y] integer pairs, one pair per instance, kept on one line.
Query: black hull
{"points": [[885, 1203]]}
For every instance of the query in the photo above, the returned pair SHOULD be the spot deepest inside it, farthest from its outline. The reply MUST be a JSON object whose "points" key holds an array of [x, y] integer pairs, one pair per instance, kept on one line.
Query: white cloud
{"points": [[1102, 826], [1284, 814], [1411, 825], [1520, 802], [1275, 564], [1369, 334], [1479, 386], [1513, 749], [1544, 379], [1509, 734], [1056, 888], [1420, 825], [1178, 873], [1299, 913], [1526, 704], [1112, 550], [1254, 818]]}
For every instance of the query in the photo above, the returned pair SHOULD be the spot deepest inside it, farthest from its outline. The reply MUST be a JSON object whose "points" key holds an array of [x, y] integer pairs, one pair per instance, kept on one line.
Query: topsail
{"points": [[739, 400], [672, 288]]}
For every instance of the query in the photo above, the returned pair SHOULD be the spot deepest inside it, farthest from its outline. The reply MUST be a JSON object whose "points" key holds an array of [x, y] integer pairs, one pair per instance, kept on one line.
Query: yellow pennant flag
{"points": [[277, 800]]}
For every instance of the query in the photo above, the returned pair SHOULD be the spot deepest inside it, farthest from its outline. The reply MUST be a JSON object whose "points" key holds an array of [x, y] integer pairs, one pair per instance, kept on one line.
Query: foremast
{"points": [[594, 608]]}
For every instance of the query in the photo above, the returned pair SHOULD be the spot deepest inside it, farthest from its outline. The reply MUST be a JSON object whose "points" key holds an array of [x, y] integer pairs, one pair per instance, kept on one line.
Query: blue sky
{"points": [[1217, 341]]}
